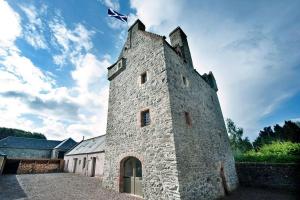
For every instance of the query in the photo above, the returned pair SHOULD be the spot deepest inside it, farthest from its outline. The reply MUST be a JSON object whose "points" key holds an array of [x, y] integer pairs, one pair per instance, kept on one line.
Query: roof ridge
{"points": [[29, 138], [93, 137]]}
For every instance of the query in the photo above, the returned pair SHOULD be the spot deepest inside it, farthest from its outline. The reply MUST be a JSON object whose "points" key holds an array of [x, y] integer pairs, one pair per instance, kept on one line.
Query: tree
{"points": [[289, 132], [237, 143], [266, 136], [5, 132]]}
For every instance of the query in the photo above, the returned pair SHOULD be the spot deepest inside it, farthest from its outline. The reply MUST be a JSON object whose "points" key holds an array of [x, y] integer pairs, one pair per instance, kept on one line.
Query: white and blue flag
{"points": [[113, 13]]}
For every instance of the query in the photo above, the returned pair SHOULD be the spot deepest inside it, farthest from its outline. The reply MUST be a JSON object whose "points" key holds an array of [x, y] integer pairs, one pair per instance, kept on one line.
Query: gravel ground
{"points": [[68, 186], [62, 186]]}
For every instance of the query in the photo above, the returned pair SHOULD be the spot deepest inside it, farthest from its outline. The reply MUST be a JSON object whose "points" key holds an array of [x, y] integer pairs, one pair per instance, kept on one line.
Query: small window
{"points": [[79, 162], [184, 80], [119, 65], [145, 118], [144, 78], [188, 119], [84, 162]]}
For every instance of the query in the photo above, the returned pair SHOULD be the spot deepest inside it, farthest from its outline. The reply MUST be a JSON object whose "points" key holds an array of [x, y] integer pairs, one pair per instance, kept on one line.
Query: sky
{"points": [[54, 56]]}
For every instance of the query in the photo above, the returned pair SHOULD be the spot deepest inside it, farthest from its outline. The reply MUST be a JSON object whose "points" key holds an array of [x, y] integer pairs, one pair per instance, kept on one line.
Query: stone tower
{"points": [[166, 137]]}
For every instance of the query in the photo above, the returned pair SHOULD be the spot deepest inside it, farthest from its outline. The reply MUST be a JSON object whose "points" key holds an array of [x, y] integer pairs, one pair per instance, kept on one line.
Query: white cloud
{"points": [[10, 25], [114, 4], [27, 90], [88, 71], [156, 12], [73, 42], [33, 30]]}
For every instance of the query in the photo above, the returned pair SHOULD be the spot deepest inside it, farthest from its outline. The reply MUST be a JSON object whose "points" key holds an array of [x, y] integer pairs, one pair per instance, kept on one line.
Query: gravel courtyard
{"points": [[63, 186], [68, 186]]}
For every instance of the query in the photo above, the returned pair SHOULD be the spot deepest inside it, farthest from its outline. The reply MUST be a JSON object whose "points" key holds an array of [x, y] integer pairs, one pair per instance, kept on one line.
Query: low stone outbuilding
{"points": [[30, 155], [31, 148], [87, 158]]}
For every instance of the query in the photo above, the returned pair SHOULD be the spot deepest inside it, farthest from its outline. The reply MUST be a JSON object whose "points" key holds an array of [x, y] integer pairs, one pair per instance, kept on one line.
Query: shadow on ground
{"points": [[10, 188], [250, 193]]}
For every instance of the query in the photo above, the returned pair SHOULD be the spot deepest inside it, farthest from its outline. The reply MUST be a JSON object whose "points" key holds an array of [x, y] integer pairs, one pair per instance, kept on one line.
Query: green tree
{"points": [[237, 143], [5, 132], [289, 132]]}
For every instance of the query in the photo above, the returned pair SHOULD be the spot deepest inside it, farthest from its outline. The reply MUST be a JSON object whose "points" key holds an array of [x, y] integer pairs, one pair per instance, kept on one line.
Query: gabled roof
{"points": [[28, 143], [93, 145], [66, 144]]}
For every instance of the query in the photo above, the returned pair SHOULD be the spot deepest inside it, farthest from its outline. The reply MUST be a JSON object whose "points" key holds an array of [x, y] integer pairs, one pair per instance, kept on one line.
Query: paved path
{"points": [[68, 186], [57, 186]]}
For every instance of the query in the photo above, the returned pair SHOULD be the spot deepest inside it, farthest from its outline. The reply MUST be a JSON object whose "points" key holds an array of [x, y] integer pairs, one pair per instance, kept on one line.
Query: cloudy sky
{"points": [[54, 55]]}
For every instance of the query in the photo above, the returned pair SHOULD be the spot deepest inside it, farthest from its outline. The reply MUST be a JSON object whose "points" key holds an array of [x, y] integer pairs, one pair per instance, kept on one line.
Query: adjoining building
{"points": [[166, 136], [31, 148], [87, 158], [30, 155]]}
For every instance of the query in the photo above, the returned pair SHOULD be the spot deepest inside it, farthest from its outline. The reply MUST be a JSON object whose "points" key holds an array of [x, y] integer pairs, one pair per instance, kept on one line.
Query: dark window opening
{"points": [[188, 119], [184, 80], [145, 118], [143, 78], [84, 162], [61, 154]]}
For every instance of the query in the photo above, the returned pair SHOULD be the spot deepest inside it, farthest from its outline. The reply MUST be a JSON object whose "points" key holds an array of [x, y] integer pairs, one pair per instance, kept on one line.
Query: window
{"points": [[184, 80], [84, 162], [188, 119], [79, 162], [145, 118], [144, 78]]}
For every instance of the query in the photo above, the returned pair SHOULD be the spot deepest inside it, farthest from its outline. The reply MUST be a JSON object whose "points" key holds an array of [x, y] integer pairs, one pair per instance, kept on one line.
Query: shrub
{"points": [[276, 152]]}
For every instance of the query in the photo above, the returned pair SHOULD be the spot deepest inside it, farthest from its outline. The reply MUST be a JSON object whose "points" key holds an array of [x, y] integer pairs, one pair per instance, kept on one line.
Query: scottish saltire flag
{"points": [[113, 13]]}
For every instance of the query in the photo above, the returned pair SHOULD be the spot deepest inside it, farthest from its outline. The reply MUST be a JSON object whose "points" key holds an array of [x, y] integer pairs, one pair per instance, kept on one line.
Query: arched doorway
{"points": [[131, 176]]}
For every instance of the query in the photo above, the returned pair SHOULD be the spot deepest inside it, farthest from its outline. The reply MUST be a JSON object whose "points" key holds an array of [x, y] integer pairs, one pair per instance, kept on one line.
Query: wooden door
{"points": [[133, 176]]}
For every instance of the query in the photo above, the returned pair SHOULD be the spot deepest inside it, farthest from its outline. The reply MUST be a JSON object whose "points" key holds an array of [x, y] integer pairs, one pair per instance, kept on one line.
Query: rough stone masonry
{"points": [[183, 148]]}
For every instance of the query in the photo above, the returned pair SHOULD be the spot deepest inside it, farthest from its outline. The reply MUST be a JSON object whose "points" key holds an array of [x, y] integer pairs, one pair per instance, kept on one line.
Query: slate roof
{"points": [[66, 144], [28, 143], [96, 144]]}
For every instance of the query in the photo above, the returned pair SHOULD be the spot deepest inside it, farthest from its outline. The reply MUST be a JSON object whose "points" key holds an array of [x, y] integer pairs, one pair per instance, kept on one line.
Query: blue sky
{"points": [[54, 55]]}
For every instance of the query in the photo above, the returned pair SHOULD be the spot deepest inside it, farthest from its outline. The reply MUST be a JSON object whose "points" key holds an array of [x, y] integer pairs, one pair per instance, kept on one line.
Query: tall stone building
{"points": [[166, 137]]}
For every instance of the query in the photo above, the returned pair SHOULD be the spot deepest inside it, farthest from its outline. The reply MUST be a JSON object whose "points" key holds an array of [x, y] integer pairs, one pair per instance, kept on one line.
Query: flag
{"points": [[113, 13]]}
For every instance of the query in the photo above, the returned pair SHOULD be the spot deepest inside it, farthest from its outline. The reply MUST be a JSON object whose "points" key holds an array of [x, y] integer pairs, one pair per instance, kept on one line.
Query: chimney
{"points": [[179, 41]]}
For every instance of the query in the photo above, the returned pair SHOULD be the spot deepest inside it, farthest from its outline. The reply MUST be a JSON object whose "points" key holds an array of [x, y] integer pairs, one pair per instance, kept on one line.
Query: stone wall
{"points": [[40, 166], [278, 176], [26, 153], [202, 147], [154, 144]]}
